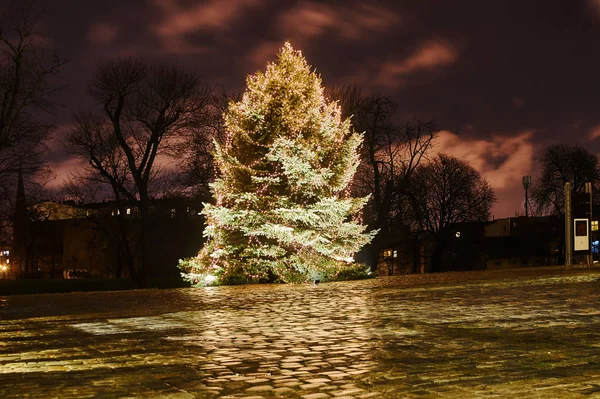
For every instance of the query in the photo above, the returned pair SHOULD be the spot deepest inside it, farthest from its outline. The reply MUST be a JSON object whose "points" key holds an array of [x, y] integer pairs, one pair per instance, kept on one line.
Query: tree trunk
{"points": [[145, 226], [436, 257]]}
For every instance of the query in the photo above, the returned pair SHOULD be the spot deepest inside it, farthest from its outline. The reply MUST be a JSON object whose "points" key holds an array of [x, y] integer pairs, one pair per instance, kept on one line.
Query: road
{"points": [[517, 333]]}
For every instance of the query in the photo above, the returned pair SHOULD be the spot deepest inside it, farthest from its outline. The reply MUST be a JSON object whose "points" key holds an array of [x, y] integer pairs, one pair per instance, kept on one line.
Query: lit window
{"points": [[129, 211], [387, 253], [395, 253], [458, 234], [172, 213], [594, 225]]}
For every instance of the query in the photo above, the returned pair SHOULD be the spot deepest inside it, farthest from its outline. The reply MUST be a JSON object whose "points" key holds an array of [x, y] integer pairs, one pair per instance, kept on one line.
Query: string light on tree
{"points": [[282, 211]]}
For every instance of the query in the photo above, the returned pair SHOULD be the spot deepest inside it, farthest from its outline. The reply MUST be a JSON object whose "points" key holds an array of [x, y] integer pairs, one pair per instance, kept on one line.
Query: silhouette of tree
{"points": [[560, 164], [390, 154], [198, 168], [26, 66], [146, 110], [446, 191]]}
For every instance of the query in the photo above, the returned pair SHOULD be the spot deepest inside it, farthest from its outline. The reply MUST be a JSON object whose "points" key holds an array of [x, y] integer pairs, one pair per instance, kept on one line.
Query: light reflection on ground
{"points": [[530, 332]]}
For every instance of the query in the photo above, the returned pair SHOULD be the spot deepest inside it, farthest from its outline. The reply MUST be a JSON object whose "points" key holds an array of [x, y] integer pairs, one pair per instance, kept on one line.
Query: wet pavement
{"points": [[517, 333]]}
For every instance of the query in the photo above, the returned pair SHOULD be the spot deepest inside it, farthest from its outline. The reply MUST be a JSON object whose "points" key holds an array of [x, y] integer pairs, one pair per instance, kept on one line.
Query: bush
{"points": [[358, 271]]}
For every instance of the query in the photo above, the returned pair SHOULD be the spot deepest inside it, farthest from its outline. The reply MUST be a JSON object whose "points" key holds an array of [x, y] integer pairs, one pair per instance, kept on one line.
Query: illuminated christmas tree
{"points": [[282, 209]]}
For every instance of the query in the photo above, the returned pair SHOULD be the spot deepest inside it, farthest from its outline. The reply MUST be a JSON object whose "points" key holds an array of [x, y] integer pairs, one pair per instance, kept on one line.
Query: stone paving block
{"points": [[319, 395], [259, 388], [522, 333]]}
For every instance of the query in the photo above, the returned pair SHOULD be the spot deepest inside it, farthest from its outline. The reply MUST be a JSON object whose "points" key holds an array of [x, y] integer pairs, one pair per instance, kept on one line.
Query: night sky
{"points": [[503, 79]]}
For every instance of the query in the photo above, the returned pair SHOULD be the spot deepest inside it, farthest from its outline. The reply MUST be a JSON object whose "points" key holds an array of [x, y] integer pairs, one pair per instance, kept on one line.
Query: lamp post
{"points": [[568, 245]]}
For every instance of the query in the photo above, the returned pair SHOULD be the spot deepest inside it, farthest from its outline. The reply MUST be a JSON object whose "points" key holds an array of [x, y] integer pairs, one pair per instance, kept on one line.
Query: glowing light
{"points": [[283, 204]]}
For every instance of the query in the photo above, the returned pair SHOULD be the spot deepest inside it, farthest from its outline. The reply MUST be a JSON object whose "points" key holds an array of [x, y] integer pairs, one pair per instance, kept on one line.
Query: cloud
{"points": [[63, 169], [502, 160], [594, 132], [429, 55], [262, 53], [212, 15], [595, 6], [307, 21], [102, 33], [178, 22], [310, 19]]}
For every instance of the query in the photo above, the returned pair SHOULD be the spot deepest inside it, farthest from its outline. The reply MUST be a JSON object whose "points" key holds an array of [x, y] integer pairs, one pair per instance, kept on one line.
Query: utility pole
{"points": [[588, 189], [568, 227]]}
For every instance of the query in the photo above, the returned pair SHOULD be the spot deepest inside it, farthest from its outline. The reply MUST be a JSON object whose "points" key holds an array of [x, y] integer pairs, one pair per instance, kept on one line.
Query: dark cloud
{"points": [[503, 79]]}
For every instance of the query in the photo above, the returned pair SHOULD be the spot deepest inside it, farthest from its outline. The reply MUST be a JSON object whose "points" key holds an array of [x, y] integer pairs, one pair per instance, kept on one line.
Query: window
{"points": [[395, 253], [594, 225], [387, 253], [458, 234], [172, 213], [129, 211]]}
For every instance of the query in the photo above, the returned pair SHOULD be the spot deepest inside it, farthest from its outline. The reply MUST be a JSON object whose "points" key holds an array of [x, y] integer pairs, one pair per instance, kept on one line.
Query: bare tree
{"points": [[390, 154], [26, 67], [560, 164], [146, 110], [198, 169], [446, 191]]}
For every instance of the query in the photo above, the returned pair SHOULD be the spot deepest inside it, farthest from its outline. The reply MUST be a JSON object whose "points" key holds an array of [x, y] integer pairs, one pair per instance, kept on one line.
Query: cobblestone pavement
{"points": [[518, 333]]}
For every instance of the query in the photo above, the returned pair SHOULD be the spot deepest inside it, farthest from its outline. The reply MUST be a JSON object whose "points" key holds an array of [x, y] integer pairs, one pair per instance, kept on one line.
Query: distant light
{"points": [[3, 268], [458, 234]]}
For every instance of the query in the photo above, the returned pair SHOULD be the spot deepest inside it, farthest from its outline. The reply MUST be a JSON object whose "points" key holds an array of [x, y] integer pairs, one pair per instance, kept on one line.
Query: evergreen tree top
{"points": [[287, 99]]}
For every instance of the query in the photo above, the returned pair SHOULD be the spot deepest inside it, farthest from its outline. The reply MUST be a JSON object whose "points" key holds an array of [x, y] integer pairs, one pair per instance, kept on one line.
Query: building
{"points": [[5, 260], [404, 252], [499, 244], [103, 240]]}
